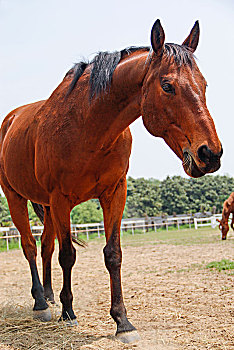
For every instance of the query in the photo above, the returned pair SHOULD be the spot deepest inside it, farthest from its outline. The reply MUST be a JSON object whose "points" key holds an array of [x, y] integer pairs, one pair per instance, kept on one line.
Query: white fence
{"points": [[142, 224], [209, 221]]}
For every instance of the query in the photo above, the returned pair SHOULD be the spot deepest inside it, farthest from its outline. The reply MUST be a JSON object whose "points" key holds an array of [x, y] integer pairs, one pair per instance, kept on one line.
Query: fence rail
{"points": [[98, 228]]}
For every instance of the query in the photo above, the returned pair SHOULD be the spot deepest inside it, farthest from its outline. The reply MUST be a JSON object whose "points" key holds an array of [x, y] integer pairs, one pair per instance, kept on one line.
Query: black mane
{"points": [[104, 64]]}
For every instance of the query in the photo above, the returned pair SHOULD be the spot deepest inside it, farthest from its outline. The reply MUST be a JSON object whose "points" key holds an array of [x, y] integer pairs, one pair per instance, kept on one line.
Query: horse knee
{"points": [[29, 249], [67, 257], [113, 257], [66, 297]]}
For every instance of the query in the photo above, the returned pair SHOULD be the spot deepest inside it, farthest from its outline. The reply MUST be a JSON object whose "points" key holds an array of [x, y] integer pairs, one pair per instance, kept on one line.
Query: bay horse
{"points": [[76, 145], [228, 209]]}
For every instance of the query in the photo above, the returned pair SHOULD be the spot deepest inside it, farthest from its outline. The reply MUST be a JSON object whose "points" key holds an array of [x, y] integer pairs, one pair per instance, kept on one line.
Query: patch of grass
{"points": [[12, 245], [224, 264], [191, 268]]}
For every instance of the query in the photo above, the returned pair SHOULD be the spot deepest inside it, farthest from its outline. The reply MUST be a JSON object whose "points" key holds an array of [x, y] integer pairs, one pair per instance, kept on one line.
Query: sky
{"points": [[41, 39]]}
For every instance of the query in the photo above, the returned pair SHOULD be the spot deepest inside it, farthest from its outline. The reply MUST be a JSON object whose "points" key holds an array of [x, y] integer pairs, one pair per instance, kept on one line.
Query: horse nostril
{"points": [[204, 154]]}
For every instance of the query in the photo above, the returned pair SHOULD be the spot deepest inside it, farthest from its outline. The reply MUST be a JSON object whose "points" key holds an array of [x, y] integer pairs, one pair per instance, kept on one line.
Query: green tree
{"points": [[209, 191], [5, 217], [173, 195], [143, 197], [87, 212]]}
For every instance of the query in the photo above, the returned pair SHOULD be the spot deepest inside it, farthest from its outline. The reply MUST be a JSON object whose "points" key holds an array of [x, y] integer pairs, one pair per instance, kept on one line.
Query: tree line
{"points": [[152, 197], [177, 195]]}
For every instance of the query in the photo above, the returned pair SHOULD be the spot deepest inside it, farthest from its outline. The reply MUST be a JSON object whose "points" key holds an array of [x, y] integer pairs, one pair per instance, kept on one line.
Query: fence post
{"points": [[195, 223], [87, 233], [98, 231], [132, 230], [7, 243], [213, 222], [178, 225], [155, 227]]}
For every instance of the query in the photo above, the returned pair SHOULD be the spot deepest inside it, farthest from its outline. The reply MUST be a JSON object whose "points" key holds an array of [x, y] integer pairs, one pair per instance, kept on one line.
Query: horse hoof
{"points": [[42, 315], [68, 321], [128, 337], [71, 323]]}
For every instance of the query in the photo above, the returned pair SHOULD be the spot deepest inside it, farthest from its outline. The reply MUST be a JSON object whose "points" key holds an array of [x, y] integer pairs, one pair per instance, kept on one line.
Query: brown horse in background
{"points": [[76, 146], [228, 209]]}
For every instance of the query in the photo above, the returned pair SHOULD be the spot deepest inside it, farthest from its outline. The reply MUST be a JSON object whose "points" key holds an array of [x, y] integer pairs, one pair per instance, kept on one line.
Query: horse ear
{"points": [[192, 40], [157, 37]]}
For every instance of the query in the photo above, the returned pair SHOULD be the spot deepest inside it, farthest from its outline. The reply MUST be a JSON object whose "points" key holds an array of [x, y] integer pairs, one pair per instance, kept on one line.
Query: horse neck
{"points": [[113, 112], [225, 214]]}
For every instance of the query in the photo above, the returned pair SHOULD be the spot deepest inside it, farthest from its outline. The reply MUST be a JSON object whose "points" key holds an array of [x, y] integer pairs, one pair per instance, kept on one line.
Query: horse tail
{"points": [[39, 210]]}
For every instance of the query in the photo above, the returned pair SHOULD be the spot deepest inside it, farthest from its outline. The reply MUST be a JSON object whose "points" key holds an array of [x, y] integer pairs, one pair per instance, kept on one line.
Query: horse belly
{"points": [[23, 181]]}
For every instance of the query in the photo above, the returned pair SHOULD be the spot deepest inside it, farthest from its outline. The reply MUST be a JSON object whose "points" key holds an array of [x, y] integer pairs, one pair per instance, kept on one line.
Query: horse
{"points": [[228, 209], [76, 145]]}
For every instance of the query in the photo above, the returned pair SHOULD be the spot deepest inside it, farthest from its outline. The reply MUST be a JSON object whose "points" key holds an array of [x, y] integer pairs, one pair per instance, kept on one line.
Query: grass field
{"points": [[171, 236], [184, 236]]}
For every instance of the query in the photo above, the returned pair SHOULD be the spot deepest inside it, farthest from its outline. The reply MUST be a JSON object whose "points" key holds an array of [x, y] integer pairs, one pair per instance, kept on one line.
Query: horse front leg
{"points": [[60, 213], [113, 203]]}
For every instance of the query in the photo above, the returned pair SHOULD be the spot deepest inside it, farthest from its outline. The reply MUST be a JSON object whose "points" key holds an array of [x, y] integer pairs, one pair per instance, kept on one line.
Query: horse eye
{"points": [[168, 88]]}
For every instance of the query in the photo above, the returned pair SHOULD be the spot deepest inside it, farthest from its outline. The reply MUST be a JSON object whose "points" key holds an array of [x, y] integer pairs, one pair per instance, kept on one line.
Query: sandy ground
{"points": [[171, 298]]}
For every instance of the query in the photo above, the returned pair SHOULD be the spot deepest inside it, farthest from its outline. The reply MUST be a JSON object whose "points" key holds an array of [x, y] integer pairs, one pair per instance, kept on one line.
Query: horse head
{"points": [[174, 103], [224, 228]]}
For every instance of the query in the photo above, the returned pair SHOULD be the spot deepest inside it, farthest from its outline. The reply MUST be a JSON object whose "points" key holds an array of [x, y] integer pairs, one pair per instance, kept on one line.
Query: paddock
{"points": [[172, 298]]}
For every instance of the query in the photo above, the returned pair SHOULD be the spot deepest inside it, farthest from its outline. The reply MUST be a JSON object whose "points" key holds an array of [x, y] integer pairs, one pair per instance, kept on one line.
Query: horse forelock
{"points": [[104, 64], [181, 54]]}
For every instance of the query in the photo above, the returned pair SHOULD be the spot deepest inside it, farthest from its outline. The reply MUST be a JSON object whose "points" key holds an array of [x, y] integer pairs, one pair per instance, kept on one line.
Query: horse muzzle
{"points": [[190, 167], [206, 156]]}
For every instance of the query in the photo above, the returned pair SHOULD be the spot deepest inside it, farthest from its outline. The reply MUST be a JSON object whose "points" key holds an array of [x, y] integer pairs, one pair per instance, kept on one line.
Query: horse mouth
{"points": [[190, 167]]}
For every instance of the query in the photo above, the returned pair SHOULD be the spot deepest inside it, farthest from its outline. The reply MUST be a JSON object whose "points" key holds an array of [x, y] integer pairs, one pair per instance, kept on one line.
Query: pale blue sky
{"points": [[40, 41]]}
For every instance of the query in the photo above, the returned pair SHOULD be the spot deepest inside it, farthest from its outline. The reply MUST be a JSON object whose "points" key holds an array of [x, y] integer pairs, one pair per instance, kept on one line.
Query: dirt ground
{"points": [[172, 299]]}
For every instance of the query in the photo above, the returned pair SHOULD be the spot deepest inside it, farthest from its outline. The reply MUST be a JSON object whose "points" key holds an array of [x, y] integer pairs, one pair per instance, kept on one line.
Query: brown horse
{"points": [[76, 146], [228, 209]]}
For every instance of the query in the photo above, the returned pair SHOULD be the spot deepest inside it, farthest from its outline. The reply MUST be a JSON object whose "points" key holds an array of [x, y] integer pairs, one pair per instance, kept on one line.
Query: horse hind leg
{"points": [[19, 214], [60, 212], [47, 249]]}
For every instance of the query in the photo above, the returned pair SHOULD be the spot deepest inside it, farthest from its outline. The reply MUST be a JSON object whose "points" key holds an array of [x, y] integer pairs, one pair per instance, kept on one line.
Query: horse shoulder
{"points": [[113, 163]]}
